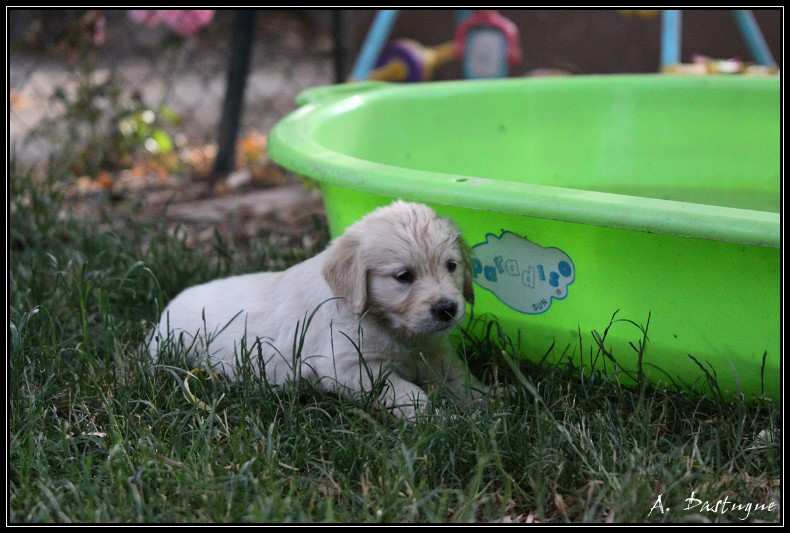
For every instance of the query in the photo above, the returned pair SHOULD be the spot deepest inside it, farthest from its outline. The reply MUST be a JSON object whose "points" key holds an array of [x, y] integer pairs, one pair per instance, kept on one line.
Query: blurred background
{"points": [[132, 103], [595, 41], [51, 51], [63, 62]]}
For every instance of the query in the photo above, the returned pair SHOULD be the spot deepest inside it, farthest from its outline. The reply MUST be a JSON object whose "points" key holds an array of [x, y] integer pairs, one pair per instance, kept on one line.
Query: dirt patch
{"points": [[269, 204]]}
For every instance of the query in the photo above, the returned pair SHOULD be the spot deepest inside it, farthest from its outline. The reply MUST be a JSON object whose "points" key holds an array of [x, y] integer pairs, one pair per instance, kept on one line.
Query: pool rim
{"points": [[292, 144]]}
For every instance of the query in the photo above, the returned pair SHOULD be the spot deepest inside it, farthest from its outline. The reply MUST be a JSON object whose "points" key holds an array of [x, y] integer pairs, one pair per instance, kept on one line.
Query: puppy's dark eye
{"points": [[405, 276], [451, 266]]}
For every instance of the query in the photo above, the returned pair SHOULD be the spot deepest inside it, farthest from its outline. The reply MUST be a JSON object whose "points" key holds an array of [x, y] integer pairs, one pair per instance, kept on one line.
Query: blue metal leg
{"points": [[374, 42], [753, 37], [670, 37]]}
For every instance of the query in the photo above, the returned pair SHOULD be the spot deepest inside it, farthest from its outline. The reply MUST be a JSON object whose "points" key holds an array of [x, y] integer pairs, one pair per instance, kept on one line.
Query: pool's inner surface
{"points": [[716, 144]]}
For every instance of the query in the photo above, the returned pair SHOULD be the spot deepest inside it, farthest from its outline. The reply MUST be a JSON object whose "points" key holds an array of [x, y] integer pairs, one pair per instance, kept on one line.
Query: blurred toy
{"points": [[488, 44], [701, 64], [374, 43], [670, 48], [409, 61]]}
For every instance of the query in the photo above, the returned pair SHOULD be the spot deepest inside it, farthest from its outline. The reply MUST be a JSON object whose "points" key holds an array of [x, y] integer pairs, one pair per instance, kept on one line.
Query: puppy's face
{"points": [[417, 286], [405, 266]]}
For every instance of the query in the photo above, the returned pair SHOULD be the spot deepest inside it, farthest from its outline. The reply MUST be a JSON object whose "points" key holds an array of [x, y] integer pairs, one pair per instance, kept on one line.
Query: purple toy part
{"points": [[409, 54], [488, 18]]}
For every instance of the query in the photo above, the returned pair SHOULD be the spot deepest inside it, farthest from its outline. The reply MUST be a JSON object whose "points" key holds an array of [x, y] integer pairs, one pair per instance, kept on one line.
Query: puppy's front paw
{"points": [[408, 407]]}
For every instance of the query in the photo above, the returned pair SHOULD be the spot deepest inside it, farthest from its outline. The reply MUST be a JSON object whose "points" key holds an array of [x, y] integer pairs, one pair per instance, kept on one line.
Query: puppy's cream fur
{"points": [[377, 303]]}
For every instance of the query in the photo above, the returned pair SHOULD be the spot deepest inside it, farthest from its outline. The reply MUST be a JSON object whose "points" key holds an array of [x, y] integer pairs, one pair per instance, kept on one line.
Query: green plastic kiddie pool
{"points": [[647, 195]]}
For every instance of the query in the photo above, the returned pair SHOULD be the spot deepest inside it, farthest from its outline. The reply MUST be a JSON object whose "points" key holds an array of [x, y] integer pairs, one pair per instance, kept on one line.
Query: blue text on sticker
{"points": [[524, 275]]}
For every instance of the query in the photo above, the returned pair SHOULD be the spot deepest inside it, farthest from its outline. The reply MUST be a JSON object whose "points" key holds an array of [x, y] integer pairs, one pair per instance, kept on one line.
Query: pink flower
{"points": [[149, 17], [183, 22], [99, 35], [186, 22]]}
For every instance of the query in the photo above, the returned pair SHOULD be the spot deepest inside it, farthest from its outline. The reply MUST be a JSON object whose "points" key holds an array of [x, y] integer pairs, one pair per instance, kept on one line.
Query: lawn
{"points": [[98, 433]]}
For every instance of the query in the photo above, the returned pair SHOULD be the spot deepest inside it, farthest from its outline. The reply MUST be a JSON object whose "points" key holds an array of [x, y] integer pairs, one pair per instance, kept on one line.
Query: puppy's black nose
{"points": [[444, 310]]}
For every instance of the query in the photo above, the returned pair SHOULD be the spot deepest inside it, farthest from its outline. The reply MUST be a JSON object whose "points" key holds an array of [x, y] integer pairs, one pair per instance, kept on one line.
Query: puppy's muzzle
{"points": [[444, 310]]}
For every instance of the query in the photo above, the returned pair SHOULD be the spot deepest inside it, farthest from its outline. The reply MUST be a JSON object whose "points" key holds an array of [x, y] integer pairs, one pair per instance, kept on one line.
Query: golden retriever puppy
{"points": [[376, 305]]}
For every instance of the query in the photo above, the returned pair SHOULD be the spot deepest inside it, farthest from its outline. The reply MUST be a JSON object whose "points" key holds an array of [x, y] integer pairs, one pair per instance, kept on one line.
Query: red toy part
{"points": [[491, 19]]}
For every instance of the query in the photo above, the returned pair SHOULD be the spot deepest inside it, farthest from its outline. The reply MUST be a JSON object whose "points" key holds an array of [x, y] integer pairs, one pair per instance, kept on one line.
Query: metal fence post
{"points": [[340, 51], [238, 68]]}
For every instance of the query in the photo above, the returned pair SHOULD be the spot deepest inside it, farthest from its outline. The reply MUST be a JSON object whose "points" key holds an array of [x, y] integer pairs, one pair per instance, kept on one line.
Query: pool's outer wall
{"points": [[708, 302]]}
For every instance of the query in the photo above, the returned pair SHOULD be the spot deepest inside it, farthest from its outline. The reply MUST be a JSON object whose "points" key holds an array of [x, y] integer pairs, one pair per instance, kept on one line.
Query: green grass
{"points": [[97, 433]]}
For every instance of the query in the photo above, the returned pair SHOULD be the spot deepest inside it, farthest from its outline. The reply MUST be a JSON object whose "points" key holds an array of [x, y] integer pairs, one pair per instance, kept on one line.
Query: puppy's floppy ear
{"points": [[346, 274], [469, 293]]}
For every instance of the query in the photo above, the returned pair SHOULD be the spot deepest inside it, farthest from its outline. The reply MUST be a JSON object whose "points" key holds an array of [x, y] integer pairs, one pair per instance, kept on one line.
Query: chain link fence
{"points": [[78, 76]]}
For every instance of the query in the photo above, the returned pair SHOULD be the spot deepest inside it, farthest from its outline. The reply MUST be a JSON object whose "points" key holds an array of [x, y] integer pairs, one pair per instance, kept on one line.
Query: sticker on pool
{"points": [[525, 276]]}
